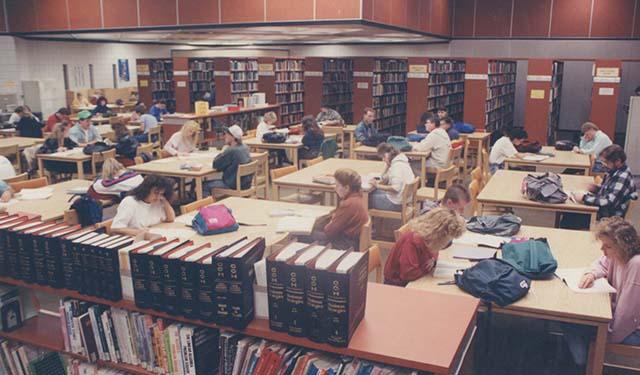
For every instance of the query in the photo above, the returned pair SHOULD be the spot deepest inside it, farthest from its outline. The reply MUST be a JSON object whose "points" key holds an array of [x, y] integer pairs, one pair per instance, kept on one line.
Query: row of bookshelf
{"points": [[446, 90], [390, 65], [494, 92], [380, 101], [337, 86], [295, 118], [291, 108], [501, 67], [337, 65], [244, 76], [500, 94], [555, 94], [397, 88], [244, 65], [290, 76], [446, 79], [289, 87], [239, 87], [289, 64], [446, 66], [290, 98], [389, 78], [389, 92], [445, 101], [346, 76], [501, 80], [201, 75]]}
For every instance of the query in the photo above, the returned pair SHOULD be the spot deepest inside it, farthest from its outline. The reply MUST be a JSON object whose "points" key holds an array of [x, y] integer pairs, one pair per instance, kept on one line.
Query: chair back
{"points": [[622, 356], [445, 178], [375, 262], [474, 191], [186, 208], [315, 161], [249, 169], [338, 131], [144, 148], [157, 134], [400, 231], [17, 178], [12, 151], [633, 215], [262, 176], [280, 172], [364, 240], [486, 171], [329, 148], [409, 199], [29, 184], [97, 158]]}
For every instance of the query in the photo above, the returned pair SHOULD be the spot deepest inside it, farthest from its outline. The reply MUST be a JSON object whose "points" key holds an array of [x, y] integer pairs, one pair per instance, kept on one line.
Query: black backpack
{"points": [[494, 281], [565, 145], [96, 147], [127, 147], [88, 209], [545, 188], [498, 225], [274, 137]]}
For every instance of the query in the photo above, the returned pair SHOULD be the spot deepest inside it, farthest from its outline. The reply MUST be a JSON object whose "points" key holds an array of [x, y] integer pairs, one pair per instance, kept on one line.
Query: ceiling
{"points": [[254, 35]]}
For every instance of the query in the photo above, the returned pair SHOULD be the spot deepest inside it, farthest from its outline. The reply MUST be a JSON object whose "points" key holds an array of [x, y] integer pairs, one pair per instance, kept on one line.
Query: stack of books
{"points": [[18, 359]]}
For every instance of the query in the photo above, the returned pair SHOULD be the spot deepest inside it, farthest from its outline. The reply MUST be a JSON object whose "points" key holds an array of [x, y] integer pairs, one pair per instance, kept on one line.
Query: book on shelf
{"points": [[139, 260], [17, 358]]}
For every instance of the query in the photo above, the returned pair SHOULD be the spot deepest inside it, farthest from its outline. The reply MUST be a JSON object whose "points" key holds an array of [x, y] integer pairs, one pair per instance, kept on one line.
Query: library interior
{"points": [[319, 187]]}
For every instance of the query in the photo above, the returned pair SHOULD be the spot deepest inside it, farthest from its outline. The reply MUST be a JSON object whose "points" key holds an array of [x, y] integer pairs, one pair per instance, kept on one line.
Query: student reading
{"points": [[61, 115], [145, 206], [415, 253], [456, 198], [101, 107], [396, 175], [437, 144], [235, 153], [505, 147], [147, 122], [592, 142], [114, 182], [329, 117], [185, 141], [312, 139], [265, 126], [84, 133], [366, 129], [126, 143]]}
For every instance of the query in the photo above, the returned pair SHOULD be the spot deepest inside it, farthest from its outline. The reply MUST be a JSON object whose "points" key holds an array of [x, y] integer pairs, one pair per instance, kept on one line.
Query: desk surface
{"points": [[369, 150], [52, 207], [106, 129], [171, 166], [568, 159], [257, 143], [193, 116], [572, 249], [304, 177], [73, 155], [22, 142], [504, 189]]}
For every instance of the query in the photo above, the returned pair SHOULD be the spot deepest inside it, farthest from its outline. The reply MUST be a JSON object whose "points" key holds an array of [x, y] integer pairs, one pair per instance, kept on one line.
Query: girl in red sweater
{"points": [[415, 253]]}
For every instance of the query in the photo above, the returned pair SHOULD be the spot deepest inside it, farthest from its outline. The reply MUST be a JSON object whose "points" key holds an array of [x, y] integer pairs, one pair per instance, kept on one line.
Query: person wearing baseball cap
{"points": [[83, 132], [234, 154]]}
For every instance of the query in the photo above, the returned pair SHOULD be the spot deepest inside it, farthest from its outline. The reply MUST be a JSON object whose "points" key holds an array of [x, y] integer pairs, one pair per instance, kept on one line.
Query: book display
{"points": [[289, 88], [501, 88], [337, 87], [554, 104], [390, 95], [446, 87], [201, 81], [162, 85], [244, 78]]}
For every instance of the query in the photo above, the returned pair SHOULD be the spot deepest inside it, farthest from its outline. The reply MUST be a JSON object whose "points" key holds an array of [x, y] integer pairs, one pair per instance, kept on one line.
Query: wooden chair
{"points": [[446, 177], [157, 134], [17, 178], [470, 156], [474, 191], [409, 204], [138, 160], [145, 148], [13, 152], [29, 184], [70, 217], [400, 231], [339, 132], [633, 215], [375, 262], [622, 356], [97, 158], [486, 170], [455, 159], [249, 169], [186, 208], [364, 241], [310, 162], [297, 197], [262, 176]]}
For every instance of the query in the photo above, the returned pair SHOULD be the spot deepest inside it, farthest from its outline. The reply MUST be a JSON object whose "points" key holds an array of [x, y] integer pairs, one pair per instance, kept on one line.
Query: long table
{"points": [[21, 142], [503, 190], [52, 207], [551, 299], [560, 159], [292, 147], [369, 151]]}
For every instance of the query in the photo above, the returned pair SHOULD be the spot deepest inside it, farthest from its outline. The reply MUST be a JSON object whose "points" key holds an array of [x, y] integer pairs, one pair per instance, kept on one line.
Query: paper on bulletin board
{"points": [[181, 84], [605, 91], [537, 94], [144, 83], [363, 85], [142, 69], [608, 72], [201, 108]]}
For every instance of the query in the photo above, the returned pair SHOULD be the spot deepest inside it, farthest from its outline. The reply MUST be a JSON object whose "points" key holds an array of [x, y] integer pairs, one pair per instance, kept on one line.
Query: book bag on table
{"points": [[416, 137], [88, 209], [96, 147], [464, 128], [494, 281], [498, 225], [214, 219], [531, 258], [565, 145], [274, 137], [532, 147], [400, 143], [546, 188], [375, 140]]}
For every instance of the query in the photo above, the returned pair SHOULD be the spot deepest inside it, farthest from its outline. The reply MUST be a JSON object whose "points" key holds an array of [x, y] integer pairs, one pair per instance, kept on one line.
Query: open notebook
{"points": [[572, 276], [483, 240]]}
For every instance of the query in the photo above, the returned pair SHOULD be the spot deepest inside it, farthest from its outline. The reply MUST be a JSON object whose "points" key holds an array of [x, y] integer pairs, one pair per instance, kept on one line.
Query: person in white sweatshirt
{"points": [[185, 141], [397, 174], [266, 125], [436, 143], [592, 142]]}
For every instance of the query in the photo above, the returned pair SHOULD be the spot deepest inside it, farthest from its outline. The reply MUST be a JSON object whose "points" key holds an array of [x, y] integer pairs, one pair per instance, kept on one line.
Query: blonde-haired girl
{"points": [[415, 253], [184, 141], [114, 182]]}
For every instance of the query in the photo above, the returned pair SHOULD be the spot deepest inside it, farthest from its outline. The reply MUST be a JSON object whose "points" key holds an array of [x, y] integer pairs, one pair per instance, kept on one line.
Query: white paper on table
{"points": [[78, 190], [284, 212], [186, 219], [477, 239], [182, 234], [9, 203], [477, 253], [572, 276], [296, 225], [446, 270], [530, 157], [293, 139], [73, 151], [572, 195], [35, 194]]}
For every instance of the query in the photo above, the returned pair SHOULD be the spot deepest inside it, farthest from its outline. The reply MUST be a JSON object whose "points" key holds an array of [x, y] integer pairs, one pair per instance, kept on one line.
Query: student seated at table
{"points": [[17, 114], [329, 117], [265, 126], [145, 206], [366, 129], [620, 265], [233, 155], [415, 253], [446, 123], [158, 110], [80, 101], [592, 142], [126, 143], [58, 140], [114, 182], [346, 222], [6, 168], [83, 132], [312, 139], [421, 127], [61, 115], [437, 144], [147, 122], [6, 192], [505, 147], [101, 107], [456, 198], [397, 174], [29, 126], [618, 188], [185, 141]]}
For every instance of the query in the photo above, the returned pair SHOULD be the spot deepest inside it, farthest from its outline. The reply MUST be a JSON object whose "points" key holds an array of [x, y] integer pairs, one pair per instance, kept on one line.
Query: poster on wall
{"points": [[123, 69]]}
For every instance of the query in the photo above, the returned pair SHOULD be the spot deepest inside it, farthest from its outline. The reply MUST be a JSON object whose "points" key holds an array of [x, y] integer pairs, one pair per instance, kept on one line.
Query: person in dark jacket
{"points": [[29, 126], [58, 140], [234, 155], [312, 139], [126, 144], [101, 106]]}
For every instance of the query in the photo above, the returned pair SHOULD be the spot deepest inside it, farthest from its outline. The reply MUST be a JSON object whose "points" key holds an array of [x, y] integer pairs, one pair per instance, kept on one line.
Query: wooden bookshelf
{"points": [[379, 338], [244, 78], [201, 80], [390, 95], [289, 88], [446, 87], [501, 88], [337, 91], [162, 85], [554, 103]]}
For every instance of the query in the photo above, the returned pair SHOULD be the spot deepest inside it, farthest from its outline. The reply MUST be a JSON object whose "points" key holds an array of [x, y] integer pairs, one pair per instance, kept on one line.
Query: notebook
{"points": [[531, 157], [483, 240], [473, 254], [572, 276], [297, 225], [324, 180]]}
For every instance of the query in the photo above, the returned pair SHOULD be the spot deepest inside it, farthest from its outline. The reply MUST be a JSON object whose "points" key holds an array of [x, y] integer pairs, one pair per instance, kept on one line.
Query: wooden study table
{"points": [[561, 159], [503, 190], [289, 147], [22, 142], [106, 131], [303, 179], [550, 299], [53, 207], [74, 156], [369, 151]]}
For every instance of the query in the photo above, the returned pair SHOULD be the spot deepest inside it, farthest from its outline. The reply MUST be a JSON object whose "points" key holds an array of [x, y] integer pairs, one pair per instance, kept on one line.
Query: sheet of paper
{"points": [[283, 212], [296, 225], [531, 157], [78, 190], [475, 253], [186, 219], [292, 139], [35, 194], [477, 239], [446, 270], [182, 234], [74, 151], [572, 276], [367, 178]]}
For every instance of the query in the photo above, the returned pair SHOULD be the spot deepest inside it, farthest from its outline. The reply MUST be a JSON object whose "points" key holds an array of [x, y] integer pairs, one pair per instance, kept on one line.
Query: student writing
{"points": [[185, 141], [234, 155], [83, 132], [505, 147], [397, 174]]}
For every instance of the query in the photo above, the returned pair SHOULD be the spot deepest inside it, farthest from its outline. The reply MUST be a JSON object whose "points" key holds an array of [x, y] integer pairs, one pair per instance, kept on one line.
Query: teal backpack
{"points": [[531, 258], [400, 143]]}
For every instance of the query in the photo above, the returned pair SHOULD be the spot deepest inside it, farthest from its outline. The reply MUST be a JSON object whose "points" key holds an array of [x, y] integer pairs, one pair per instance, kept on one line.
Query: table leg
{"points": [[40, 167], [199, 192], [592, 222], [365, 195], [276, 192], [586, 171], [352, 146], [423, 171], [80, 166], [479, 156], [596, 355], [294, 157]]}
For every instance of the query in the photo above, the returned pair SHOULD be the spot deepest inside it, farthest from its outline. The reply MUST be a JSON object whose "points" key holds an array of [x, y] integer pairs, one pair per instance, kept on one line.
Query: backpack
{"points": [[375, 140], [565, 145], [127, 147], [274, 137], [96, 147], [546, 188], [400, 143], [498, 225], [214, 219], [464, 128], [494, 281], [329, 148], [531, 258], [88, 209], [529, 146], [416, 137]]}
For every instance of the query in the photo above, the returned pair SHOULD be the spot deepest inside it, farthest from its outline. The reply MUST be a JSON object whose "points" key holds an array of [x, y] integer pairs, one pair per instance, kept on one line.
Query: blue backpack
{"points": [[464, 128], [416, 137], [400, 143], [532, 258], [88, 209], [493, 281]]}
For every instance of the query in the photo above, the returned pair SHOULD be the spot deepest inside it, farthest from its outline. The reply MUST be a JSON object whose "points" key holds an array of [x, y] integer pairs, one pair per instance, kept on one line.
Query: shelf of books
{"points": [[556, 94], [201, 81], [162, 85], [446, 87], [289, 88], [244, 78], [390, 95], [337, 90], [501, 88]]}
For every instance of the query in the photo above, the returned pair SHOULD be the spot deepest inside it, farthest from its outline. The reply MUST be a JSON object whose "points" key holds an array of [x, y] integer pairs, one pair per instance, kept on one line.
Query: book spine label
{"points": [[316, 305], [25, 258], [206, 292], [171, 285], [338, 309], [66, 250], [139, 274], [295, 299], [241, 278], [276, 296], [39, 248], [221, 287], [155, 282], [188, 290]]}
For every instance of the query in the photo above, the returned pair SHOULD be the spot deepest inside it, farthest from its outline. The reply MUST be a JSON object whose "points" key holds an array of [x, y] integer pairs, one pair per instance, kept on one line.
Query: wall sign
{"points": [[537, 94], [476, 77], [605, 91], [265, 67], [417, 69], [142, 69], [313, 74], [606, 79], [535, 78], [181, 84], [608, 72], [144, 83], [363, 85]]}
